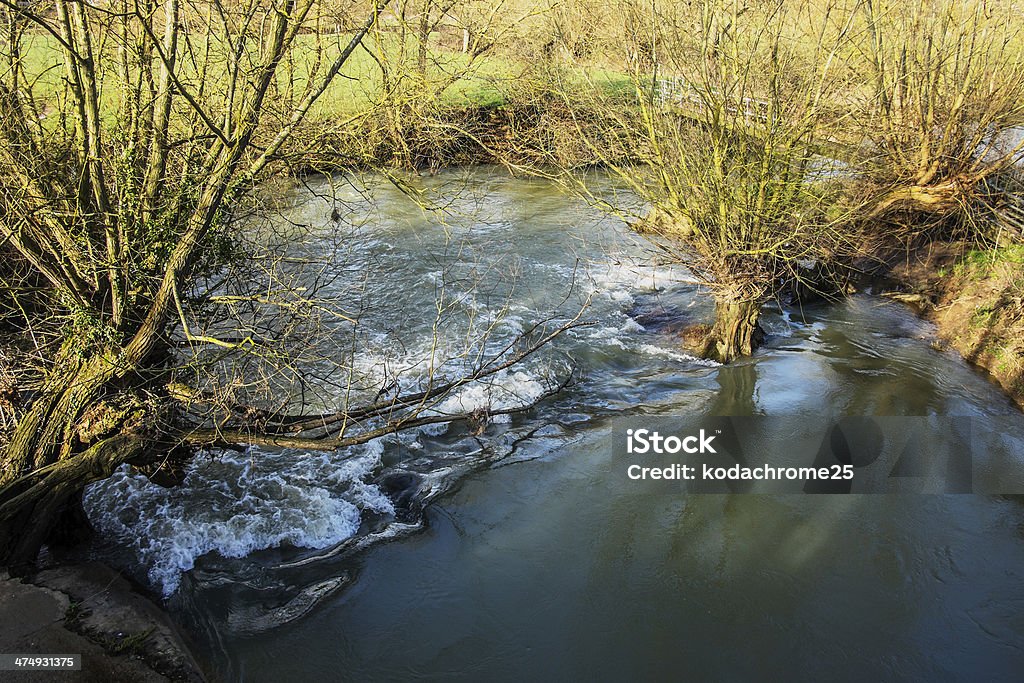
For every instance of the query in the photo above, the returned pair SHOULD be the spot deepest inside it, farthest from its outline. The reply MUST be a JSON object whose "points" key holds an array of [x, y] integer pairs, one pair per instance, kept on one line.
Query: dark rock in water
{"points": [[253, 619], [168, 471], [73, 527], [403, 489], [694, 338], [662, 319]]}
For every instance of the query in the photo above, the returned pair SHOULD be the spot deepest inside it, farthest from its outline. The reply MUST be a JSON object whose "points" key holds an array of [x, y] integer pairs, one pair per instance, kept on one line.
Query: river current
{"points": [[522, 552]]}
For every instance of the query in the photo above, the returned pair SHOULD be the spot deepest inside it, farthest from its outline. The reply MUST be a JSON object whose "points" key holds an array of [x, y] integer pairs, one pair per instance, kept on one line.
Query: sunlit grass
{"points": [[453, 80]]}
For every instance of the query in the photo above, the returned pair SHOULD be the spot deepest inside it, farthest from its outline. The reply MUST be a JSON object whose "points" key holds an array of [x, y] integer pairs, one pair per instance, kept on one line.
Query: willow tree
{"points": [[945, 95], [722, 134], [132, 135]]}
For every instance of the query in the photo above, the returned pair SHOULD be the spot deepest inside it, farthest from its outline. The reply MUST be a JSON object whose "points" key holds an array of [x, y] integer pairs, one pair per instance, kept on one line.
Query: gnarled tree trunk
{"points": [[735, 331], [49, 461], [939, 199], [31, 507]]}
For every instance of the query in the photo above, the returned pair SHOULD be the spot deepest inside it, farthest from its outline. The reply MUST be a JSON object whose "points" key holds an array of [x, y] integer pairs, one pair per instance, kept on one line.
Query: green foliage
{"points": [[74, 615], [86, 330], [982, 317]]}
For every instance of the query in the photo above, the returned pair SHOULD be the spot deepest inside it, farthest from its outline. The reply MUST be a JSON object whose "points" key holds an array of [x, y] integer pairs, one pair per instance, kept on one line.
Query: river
{"points": [[442, 555]]}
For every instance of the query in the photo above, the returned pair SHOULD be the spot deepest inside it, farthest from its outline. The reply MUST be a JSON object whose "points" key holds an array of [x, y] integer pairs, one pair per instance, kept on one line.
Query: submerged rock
{"points": [[403, 489]]}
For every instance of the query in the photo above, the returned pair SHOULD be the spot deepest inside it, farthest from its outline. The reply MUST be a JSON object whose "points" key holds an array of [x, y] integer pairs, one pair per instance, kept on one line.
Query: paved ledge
{"points": [[91, 610]]}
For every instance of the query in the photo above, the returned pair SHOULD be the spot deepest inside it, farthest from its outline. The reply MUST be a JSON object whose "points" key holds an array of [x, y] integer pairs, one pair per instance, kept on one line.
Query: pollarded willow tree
{"points": [[722, 133], [138, 321], [945, 96]]}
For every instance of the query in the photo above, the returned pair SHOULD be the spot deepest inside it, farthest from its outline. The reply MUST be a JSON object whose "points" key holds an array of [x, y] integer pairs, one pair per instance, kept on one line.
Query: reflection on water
{"points": [[557, 565]]}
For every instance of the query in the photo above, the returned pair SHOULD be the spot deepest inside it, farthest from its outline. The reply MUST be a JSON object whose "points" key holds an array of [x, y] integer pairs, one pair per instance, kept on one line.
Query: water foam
{"points": [[236, 504], [653, 350], [505, 390]]}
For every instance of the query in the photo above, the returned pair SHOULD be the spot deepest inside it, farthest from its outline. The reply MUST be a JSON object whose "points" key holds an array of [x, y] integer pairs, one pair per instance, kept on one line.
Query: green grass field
{"points": [[452, 78]]}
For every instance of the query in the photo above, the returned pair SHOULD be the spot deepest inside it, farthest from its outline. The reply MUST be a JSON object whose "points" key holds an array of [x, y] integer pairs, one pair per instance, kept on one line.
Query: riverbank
{"points": [[976, 300], [90, 610], [532, 132], [974, 296]]}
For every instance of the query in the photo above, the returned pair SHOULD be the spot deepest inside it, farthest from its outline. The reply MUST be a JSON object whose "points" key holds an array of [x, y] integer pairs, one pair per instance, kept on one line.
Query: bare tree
{"points": [[946, 85], [720, 130], [138, 320]]}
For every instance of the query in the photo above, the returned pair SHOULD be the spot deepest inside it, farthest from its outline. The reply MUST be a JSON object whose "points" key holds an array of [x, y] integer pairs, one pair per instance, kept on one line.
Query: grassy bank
{"points": [[976, 299]]}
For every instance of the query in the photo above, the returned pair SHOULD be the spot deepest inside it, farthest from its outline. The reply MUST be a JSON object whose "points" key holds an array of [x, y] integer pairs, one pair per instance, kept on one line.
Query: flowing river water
{"points": [[449, 556]]}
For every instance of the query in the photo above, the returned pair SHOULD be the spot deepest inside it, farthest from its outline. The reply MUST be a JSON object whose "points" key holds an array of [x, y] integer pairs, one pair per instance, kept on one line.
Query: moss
{"points": [[1003, 364], [74, 615], [982, 317], [128, 644]]}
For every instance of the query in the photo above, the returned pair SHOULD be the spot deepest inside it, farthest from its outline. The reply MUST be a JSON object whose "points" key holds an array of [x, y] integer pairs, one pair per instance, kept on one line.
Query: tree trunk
{"points": [[423, 37], [45, 467], [43, 434], [736, 331], [939, 199], [32, 507]]}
